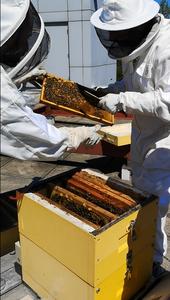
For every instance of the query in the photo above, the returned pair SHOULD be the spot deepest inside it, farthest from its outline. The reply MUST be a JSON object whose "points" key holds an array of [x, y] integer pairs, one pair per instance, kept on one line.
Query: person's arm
{"points": [[117, 87], [155, 103], [27, 135], [113, 88]]}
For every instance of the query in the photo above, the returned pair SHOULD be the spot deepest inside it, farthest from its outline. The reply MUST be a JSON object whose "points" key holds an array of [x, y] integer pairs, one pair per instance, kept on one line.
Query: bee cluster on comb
{"points": [[89, 198], [65, 94]]}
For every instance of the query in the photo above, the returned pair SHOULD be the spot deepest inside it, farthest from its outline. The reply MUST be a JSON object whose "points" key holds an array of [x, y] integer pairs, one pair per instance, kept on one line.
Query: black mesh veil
{"points": [[38, 57], [121, 43], [22, 43]]}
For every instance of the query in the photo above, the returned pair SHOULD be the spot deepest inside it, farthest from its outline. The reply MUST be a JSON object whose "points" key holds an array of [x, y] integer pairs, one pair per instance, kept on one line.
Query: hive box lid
{"points": [[117, 134]]}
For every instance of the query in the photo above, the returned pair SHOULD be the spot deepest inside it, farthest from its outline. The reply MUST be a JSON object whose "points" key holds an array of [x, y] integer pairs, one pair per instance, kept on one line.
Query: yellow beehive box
{"points": [[117, 134], [65, 259]]}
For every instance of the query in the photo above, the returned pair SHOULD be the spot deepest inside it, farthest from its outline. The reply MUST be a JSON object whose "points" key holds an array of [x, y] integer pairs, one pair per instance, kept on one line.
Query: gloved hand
{"points": [[36, 72], [81, 134], [111, 103]]}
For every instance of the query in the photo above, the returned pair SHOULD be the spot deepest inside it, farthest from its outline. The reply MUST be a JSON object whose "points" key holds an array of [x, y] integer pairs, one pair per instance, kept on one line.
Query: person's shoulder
{"points": [[161, 43], [164, 31], [166, 21], [165, 27]]}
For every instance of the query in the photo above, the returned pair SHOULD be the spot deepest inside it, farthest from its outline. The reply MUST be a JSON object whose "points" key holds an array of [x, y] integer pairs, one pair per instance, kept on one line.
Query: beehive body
{"points": [[65, 261]]}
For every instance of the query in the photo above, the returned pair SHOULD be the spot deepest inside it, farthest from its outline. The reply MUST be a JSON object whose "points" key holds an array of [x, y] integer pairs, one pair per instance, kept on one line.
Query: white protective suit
{"points": [[28, 136], [25, 134], [145, 92], [147, 84]]}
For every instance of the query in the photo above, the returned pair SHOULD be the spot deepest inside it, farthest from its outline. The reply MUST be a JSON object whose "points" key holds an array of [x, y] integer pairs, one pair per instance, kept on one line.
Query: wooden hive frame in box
{"points": [[85, 111], [67, 257]]}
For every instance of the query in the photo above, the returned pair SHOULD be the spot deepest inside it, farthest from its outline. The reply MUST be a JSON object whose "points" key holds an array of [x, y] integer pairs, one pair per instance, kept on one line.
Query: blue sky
{"points": [[160, 0]]}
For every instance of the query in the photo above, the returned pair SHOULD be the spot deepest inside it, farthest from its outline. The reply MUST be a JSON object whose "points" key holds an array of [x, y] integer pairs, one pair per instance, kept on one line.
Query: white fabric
{"points": [[147, 84], [110, 102], [24, 134], [31, 96], [121, 14], [146, 80], [147, 43], [149, 78], [82, 134], [12, 15], [28, 136]]}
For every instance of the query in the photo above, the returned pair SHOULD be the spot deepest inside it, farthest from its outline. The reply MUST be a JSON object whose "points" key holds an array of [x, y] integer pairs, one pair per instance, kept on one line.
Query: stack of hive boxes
{"points": [[72, 248]]}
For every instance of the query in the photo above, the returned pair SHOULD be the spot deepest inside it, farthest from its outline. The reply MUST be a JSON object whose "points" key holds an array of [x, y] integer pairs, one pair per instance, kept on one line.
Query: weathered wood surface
{"points": [[17, 174]]}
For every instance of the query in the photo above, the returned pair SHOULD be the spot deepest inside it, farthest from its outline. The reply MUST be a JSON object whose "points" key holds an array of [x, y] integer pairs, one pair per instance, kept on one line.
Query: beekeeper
{"points": [[135, 33], [24, 45]]}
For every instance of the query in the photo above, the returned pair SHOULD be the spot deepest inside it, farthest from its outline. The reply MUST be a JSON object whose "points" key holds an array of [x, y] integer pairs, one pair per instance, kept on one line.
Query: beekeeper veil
{"points": [[24, 40], [122, 26]]}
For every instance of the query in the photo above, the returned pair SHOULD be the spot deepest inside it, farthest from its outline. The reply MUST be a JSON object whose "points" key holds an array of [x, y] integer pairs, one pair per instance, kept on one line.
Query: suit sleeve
{"points": [[157, 102], [25, 134]]}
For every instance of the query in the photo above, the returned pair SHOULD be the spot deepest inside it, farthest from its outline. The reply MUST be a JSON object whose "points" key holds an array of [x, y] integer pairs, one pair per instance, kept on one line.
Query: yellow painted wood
{"points": [[98, 261], [114, 288], [118, 140], [52, 280], [121, 284], [63, 240], [118, 134], [49, 278], [113, 244]]}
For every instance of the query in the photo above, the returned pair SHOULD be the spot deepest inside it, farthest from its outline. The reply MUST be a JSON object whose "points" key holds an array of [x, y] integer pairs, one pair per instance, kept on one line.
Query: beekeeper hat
{"points": [[12, 15], [124, 14]]}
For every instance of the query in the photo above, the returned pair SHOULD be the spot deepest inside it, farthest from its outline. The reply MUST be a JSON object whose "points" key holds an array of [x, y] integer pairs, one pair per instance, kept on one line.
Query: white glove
{"points": [[36, 72], [111, 102], [82, 134]]}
